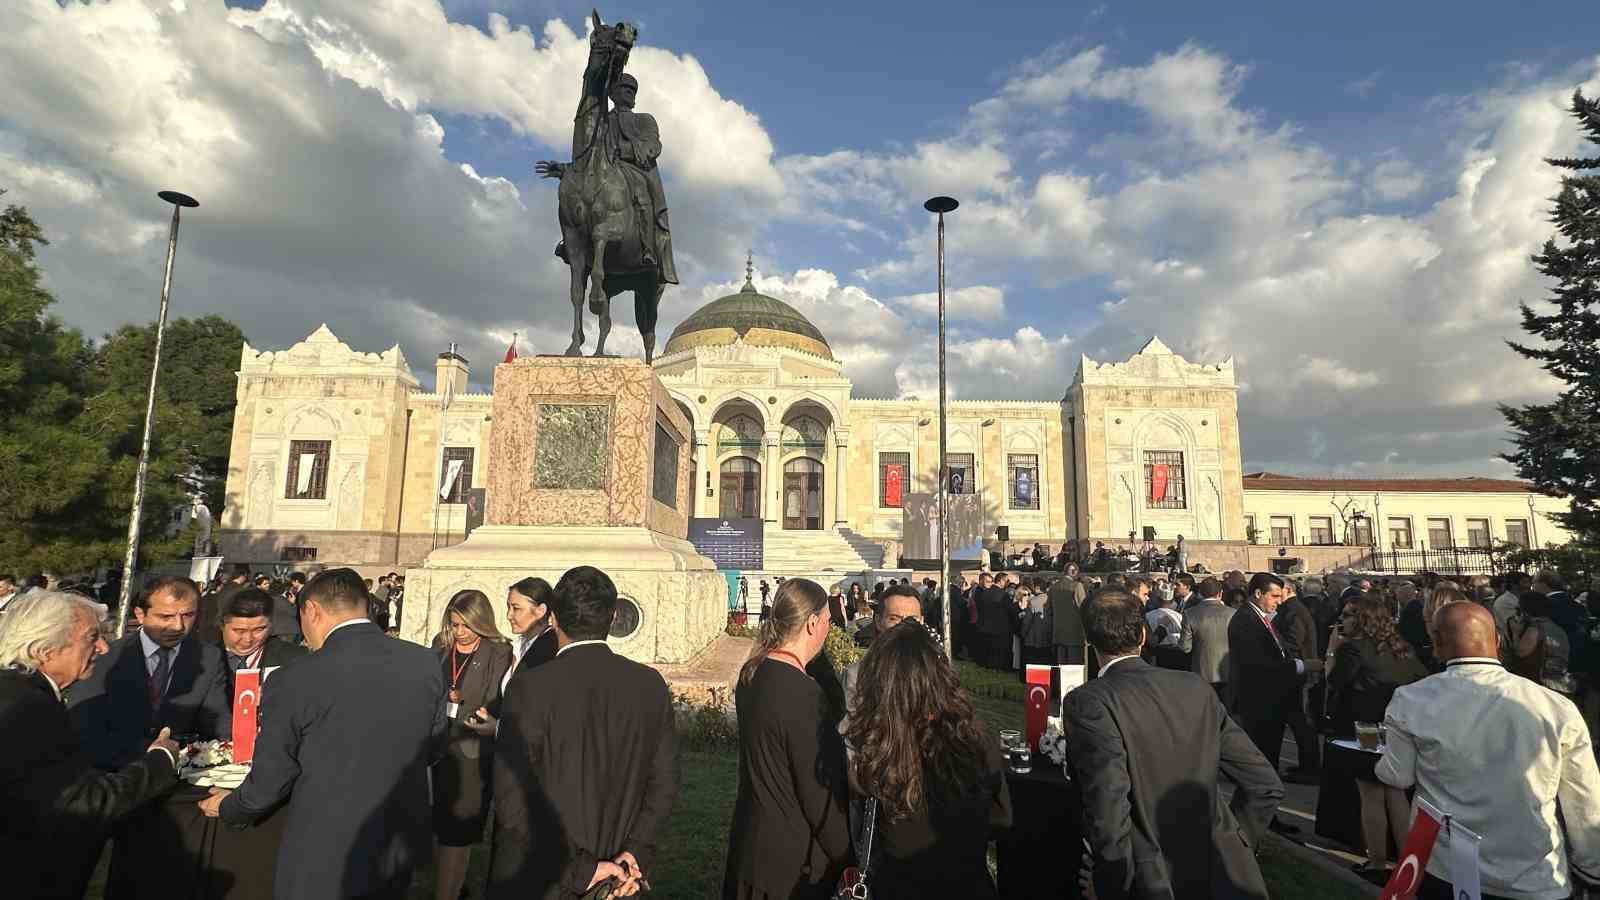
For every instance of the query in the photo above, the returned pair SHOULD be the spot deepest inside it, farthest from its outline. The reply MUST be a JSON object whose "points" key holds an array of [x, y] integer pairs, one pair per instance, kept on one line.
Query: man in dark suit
{"points": [[57, 804], [1263, 677], [1066, 623], [994, 622], [161, 675], [246, 640], [1205, 637], [1297, 626], [586, 764], [1149, 745], [347, 743]]}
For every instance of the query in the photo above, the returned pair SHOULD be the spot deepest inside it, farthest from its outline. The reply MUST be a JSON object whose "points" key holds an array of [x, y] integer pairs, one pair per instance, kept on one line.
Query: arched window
{"points": [[741, 488]]}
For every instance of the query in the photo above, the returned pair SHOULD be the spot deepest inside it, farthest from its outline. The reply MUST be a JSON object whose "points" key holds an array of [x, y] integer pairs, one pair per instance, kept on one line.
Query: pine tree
{"points": [[1558, 443]]}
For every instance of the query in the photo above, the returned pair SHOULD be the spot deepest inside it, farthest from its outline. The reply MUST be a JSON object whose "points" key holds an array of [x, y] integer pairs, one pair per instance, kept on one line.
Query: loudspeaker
{"points": [[1002, 533], [1149, 532]]}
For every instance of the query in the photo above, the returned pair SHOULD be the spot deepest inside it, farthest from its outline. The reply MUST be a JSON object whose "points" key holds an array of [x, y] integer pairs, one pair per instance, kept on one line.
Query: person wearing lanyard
{"points": [[246, 640], [790, 832], [475, 659]]}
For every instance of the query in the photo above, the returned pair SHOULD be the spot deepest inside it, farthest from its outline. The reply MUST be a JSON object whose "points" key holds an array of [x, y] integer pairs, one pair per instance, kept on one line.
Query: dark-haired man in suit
{"points": [[1150, 745], [246, 639], [161, 675], [347, 745], [586, 764], [1263, 674]]}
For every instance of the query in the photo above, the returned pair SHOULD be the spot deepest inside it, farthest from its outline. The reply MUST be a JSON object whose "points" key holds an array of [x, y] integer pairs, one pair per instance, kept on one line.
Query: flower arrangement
{"points": [[205, 754], [1053, 743]]}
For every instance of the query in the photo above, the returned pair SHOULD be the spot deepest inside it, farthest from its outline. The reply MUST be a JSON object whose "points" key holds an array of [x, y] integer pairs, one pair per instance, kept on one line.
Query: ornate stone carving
{"points": [[573, 447], [1155, 365]]}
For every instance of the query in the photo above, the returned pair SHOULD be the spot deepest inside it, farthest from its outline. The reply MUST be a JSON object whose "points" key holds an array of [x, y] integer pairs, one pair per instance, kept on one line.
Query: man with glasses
{"points": [[899, 604]]}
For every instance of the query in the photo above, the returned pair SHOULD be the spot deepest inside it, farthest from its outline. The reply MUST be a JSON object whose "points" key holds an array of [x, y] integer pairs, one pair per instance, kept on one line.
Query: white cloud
{"points": [[980, 302], [1395, 179]]}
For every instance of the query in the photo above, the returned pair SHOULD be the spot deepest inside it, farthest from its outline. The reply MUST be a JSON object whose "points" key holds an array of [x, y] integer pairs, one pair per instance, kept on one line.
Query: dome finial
{"points": [[749, 273]]}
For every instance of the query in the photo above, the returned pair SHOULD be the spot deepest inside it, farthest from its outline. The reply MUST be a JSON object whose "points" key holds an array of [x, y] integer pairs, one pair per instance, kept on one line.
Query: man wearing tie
{"points": [[246, 644], [347, 745], [161, 675], [1263, 676]]}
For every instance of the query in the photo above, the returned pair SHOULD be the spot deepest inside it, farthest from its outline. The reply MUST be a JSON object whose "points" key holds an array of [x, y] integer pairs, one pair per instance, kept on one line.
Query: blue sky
{"points": [[1342, 199]]}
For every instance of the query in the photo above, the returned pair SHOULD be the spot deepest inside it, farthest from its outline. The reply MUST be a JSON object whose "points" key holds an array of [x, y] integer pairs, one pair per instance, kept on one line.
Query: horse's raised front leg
{"points": [[578, 280]]}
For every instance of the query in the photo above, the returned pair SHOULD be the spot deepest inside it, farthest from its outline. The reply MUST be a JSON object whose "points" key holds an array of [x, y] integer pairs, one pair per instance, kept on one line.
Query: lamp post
{"points": [[940, 206], [179, 202]]}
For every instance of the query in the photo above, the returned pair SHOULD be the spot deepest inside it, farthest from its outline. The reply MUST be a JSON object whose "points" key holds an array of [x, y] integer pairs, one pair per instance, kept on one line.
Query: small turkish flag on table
{"points": [[246, 700]]}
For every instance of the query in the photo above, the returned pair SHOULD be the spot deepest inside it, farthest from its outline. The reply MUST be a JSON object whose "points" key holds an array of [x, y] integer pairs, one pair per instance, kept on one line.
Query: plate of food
{"points": [[210, 764]]}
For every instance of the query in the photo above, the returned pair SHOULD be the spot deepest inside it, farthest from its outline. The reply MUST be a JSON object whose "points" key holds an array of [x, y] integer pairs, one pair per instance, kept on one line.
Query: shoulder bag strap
{"points": [[869, 828]]}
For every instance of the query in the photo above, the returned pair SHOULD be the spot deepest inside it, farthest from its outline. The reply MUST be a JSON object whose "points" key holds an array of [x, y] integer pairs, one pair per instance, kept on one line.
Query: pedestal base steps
{"points": [[681, 600]]}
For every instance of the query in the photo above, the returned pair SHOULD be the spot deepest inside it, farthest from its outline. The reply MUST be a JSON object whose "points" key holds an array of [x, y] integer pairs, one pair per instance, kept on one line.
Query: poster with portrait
{"points": [[1025, 488]]}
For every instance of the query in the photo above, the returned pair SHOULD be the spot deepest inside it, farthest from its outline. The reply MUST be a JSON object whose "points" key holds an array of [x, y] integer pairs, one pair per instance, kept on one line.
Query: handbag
{"points": [[853, 883]]}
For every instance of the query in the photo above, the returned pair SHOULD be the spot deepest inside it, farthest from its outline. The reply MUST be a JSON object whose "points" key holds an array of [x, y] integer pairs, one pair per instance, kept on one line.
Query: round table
{"points": [[169, 850], [1039, 855]]}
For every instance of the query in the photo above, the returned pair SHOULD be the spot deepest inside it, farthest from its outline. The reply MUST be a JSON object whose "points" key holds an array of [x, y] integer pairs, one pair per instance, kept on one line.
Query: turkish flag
{"points": [[511, 350], [893, 483], [1158, 482], [246, 700], [1407, 877], [1038, 706]]}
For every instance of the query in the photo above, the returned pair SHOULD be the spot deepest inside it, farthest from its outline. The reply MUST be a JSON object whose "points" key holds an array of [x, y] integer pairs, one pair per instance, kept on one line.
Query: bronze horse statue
{"points": [[612, 212]]}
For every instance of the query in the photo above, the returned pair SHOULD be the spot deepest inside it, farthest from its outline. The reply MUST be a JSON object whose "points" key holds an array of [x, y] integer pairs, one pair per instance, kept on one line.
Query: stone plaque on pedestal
{"points": [[589, 464]]}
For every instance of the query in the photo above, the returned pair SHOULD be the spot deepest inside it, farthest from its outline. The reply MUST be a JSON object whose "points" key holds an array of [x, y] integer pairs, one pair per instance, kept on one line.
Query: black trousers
{"points": [[1308, 749], [1265, 728]]}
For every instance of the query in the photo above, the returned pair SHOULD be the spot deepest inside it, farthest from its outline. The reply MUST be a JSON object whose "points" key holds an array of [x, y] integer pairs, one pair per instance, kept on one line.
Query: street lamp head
{"points": [[940, 205], [183, 200]]}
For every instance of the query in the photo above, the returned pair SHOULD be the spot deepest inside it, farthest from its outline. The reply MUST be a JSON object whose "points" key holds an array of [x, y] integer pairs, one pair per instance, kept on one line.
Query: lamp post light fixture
{"points": [[939, 206], [179, 203]]}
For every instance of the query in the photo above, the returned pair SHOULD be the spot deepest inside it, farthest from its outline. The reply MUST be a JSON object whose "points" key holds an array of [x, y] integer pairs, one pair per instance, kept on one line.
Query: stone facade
{"points": [[770, 429]]}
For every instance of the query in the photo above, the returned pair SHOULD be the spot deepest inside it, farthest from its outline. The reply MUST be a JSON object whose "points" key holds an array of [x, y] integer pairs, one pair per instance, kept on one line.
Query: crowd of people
{"points": [[382, 755]]}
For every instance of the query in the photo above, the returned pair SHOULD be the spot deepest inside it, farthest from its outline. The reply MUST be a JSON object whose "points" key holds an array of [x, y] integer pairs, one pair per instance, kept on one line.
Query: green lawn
{"points": [[690, 859]]}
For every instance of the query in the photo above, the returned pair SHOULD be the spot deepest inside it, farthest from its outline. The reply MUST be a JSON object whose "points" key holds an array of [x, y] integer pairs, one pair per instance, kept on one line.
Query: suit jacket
{"points": [[1205, 639], [1363, 681], [285, 619], [480, 687], [1297, 627], [58, 806], [1149, 744], [1066, 620], [275, 653], [993, 617], [111, 708], [1261, 674], [347, 743], [585, 767]]}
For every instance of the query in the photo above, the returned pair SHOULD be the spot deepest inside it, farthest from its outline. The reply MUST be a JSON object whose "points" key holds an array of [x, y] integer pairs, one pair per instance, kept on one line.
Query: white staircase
{"points": [[812, 553]]}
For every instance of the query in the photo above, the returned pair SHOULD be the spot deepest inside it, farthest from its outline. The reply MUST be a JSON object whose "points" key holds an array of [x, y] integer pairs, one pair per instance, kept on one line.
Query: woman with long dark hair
{"points": [[533, 642], [1367, 660], [474, 658], [938, 781], [790, 835]]}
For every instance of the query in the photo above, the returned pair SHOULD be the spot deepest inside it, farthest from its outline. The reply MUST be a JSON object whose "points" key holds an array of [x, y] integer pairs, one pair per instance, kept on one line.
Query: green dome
{"points": [[752, 316]]}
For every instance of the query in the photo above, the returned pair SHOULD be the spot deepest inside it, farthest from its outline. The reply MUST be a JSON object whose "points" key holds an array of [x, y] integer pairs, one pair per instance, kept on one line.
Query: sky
{"points": [[1343, 199]]}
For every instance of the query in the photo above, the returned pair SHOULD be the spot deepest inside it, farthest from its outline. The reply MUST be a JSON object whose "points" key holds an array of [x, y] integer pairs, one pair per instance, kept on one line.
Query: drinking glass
{"points": [[1367, 735], [1010, 738]]}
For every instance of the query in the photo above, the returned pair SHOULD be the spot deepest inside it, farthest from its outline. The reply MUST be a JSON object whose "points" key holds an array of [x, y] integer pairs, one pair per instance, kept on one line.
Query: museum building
{"points": [[340, 457]]}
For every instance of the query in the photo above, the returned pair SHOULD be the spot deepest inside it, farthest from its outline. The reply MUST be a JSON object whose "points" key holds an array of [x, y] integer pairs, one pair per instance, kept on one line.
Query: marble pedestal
{"points": [[588, 465]]}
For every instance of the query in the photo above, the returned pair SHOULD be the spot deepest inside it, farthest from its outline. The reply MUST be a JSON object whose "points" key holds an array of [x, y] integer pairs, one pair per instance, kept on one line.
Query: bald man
{"points": [[1497, 752]]}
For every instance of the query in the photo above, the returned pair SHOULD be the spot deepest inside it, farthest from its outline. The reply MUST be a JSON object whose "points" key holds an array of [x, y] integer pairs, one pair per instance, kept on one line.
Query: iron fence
{"points": [[1440, 560]]}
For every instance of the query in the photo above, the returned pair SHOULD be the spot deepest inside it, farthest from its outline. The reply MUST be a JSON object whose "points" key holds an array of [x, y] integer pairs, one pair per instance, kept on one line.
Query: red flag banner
{"points": [[511, 351], [1158, 482], [893, 484], [1407, 877], [1038, 707], [246, 700]]}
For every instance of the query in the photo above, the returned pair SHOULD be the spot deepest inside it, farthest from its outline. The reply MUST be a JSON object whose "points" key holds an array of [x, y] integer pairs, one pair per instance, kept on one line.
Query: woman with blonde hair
{"points": [[790, 832], [474, 657]]}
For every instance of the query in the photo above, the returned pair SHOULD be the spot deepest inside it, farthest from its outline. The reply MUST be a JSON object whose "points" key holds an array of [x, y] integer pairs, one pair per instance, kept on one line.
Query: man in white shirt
{"points": [[1497, 753], [1166, 626], [1507, 604]]}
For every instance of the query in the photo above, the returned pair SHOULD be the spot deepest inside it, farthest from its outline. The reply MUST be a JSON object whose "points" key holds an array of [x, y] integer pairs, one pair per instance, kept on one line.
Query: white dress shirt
{"points": [[1497, 752], [1165, 615], [1113, 661], [580, 644]]}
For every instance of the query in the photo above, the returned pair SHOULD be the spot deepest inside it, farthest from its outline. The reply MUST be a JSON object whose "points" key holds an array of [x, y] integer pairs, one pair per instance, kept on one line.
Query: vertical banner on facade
{"points": [[1158, 482], [450, 475], [308, 462], [246, 699], [1024, 487], [894, 479], [1407, 877]]}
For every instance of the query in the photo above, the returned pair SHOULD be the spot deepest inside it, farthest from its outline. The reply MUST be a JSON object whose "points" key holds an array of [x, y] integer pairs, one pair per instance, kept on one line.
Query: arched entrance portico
{"points": [[737, 460], [802, 494]]}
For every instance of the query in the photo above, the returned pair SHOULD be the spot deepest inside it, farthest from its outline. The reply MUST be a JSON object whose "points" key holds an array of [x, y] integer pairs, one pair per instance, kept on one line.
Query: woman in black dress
{"points": [[939, 782], [790, 835], [1367, 660], [474, 658]]}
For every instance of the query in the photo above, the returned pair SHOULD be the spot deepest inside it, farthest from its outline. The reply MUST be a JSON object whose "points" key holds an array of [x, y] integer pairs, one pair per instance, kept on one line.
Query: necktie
{"points": [[158, 680], [238, 662], [1274, 632]]}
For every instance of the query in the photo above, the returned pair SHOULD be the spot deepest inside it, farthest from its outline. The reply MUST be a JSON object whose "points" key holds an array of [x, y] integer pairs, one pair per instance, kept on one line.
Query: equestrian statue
{"points": [[613, 212]]}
